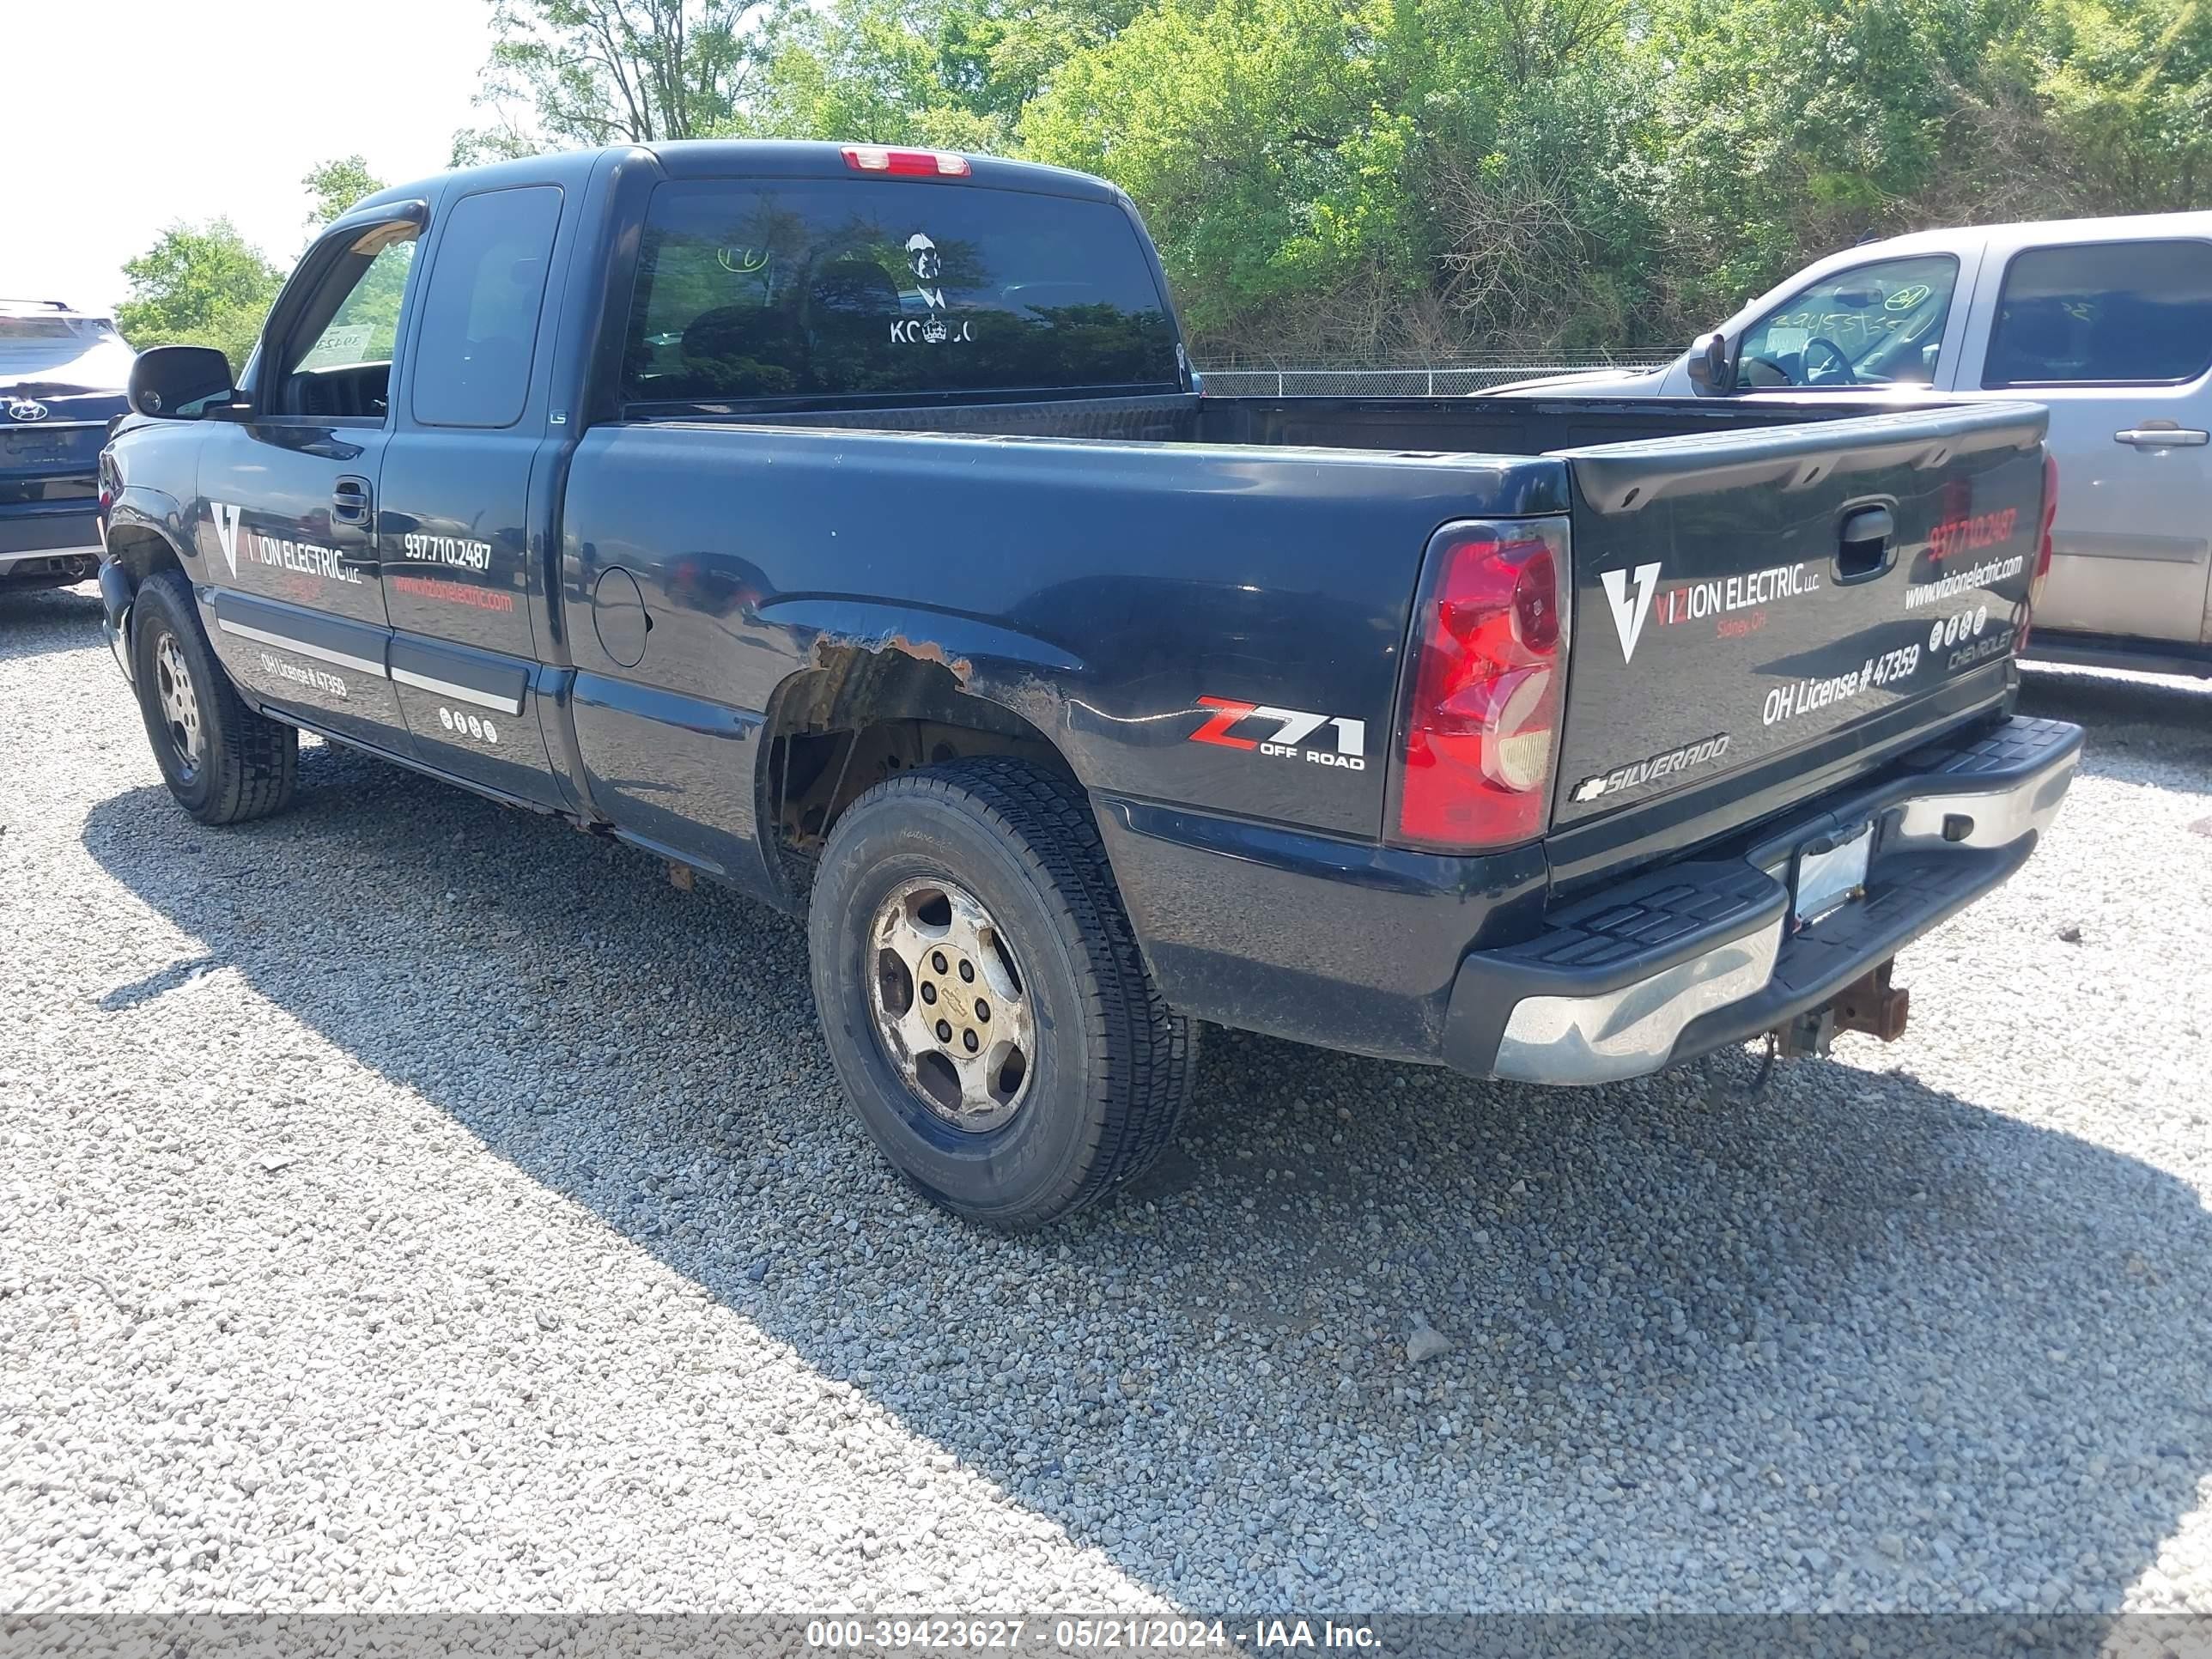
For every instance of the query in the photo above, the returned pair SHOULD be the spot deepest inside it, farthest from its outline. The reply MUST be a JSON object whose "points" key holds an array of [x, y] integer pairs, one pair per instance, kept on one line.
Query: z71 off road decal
{"points": [[1292, 726]]}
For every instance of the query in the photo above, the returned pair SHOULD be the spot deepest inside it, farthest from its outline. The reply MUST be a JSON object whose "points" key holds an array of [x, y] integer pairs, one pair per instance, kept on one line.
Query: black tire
{"points": [[1113, 1067], [248, 764]]}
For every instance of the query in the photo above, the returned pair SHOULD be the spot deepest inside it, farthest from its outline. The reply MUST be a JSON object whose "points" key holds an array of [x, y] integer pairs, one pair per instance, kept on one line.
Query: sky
{"points": [[163, 110]]}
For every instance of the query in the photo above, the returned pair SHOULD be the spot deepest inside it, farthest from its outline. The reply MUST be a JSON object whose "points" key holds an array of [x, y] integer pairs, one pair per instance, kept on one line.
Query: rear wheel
{"points": [[223, 763], [982, 996]]}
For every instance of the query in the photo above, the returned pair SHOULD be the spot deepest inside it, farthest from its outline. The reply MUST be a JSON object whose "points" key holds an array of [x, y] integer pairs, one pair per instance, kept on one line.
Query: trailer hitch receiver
{"points": [[1871, 1004]]}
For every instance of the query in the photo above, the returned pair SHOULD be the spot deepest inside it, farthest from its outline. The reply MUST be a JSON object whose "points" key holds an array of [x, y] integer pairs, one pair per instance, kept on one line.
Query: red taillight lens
{"points": [[932, 163], [2042, 549], [1483, 714], [2050, 516]]}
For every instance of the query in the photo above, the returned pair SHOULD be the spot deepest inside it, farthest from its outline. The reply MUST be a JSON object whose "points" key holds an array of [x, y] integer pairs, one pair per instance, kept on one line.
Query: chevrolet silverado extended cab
{"points": [[847, 524]]}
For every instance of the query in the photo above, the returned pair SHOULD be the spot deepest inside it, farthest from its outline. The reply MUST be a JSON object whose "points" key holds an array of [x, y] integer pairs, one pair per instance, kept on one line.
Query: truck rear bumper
{"points": [[48, 544], [62, 568], [49, 529], [1688, 957]]}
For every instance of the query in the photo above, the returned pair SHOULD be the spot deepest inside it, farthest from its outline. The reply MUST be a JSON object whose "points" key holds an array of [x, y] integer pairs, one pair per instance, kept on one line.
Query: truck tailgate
{"points": [[1741, 596]]}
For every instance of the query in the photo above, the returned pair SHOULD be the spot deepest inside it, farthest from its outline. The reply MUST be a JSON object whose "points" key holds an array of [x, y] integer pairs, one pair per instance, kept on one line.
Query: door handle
{"points": [[351, 524], [2163, 437]]}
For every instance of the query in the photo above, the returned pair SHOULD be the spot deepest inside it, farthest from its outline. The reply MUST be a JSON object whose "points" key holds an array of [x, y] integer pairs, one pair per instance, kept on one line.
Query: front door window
{"points": [[1874, 324], [337, 360]]}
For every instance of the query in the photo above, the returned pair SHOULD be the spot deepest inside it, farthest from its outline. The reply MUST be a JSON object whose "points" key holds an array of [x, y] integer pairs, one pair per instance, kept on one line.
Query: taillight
{"points": [[931, 163], [2042, 550], [1482, 711], [2050, 516]]}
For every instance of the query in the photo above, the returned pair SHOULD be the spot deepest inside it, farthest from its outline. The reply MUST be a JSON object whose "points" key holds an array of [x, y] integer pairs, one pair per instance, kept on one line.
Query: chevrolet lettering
{"points": [[1650, 770]]}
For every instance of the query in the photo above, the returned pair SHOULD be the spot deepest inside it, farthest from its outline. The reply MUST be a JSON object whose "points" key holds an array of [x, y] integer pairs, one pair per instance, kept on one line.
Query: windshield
{"points": [[1872, 325], [53, 354]]}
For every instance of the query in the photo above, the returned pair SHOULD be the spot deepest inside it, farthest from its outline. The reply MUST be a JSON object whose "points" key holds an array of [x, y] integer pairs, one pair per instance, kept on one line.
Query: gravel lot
{"points": [[407, 1204]]}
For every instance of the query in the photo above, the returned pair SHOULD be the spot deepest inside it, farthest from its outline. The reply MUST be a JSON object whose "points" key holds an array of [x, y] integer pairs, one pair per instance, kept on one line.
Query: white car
{"points": [[2108, 322]]}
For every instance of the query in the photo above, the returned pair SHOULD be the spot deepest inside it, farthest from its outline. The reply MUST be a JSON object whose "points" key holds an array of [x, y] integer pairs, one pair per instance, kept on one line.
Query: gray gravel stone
{"points": [[1425, 1343], [575, 1288]]}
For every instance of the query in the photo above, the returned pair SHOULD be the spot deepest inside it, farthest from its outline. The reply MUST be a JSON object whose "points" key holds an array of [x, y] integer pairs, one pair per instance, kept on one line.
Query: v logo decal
{"points": [[226, 530], [1629, 611]]}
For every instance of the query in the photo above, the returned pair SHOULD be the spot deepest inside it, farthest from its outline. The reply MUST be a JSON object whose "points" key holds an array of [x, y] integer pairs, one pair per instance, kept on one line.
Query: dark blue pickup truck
{"points": [[848, 524]]}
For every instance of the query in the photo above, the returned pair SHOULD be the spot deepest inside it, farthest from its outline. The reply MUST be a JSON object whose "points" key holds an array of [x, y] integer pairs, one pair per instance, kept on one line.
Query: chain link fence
{"points": [[1443, 379]]}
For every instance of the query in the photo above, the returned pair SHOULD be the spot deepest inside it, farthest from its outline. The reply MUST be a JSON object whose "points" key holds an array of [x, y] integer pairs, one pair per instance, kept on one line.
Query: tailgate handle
{"points": [[1863, 547]]}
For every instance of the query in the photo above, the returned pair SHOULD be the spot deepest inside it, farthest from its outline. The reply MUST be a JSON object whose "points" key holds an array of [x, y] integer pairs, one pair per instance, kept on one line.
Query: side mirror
{"points": [[180, 382], [1709, 364]]}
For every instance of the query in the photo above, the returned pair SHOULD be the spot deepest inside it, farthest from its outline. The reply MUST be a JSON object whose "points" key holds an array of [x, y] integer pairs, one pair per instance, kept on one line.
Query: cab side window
{"points": [[2111, 313], [479, 328], [336, 359], [1880, 324]]}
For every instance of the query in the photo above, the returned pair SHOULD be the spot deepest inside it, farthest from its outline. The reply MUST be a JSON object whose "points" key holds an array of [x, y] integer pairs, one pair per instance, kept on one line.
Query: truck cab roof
{"points": [[723, 158]]}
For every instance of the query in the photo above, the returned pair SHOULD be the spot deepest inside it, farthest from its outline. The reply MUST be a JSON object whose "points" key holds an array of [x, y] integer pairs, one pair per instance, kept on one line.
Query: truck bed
{"points": [[1739, 675], [1460, 425]]}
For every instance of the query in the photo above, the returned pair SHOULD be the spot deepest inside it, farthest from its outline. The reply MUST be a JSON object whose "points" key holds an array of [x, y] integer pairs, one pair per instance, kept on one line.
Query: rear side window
{"points": [[877, 289], [2112, 313], [479, 327]]}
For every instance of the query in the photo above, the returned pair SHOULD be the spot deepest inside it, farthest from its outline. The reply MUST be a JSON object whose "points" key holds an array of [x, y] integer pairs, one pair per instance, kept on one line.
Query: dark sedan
{"points": [[62, 376]]}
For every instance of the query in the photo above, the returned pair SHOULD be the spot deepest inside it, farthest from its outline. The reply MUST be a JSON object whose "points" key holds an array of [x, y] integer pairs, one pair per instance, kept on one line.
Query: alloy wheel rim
{"points": [[951, 1006]]}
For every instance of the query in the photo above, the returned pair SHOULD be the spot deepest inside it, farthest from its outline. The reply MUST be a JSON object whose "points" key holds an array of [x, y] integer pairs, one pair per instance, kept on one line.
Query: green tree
{"points": [[877, 71], [589, 72], [336, 186], [1358, 178], [1344, 181], [956, 73], [2130, 91], [1792, 127], [198, 285]]}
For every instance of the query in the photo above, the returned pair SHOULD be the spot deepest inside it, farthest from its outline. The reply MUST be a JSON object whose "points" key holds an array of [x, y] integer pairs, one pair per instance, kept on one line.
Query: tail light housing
{"points": [[906, 163], [1484, 687], [2042, 550]]}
